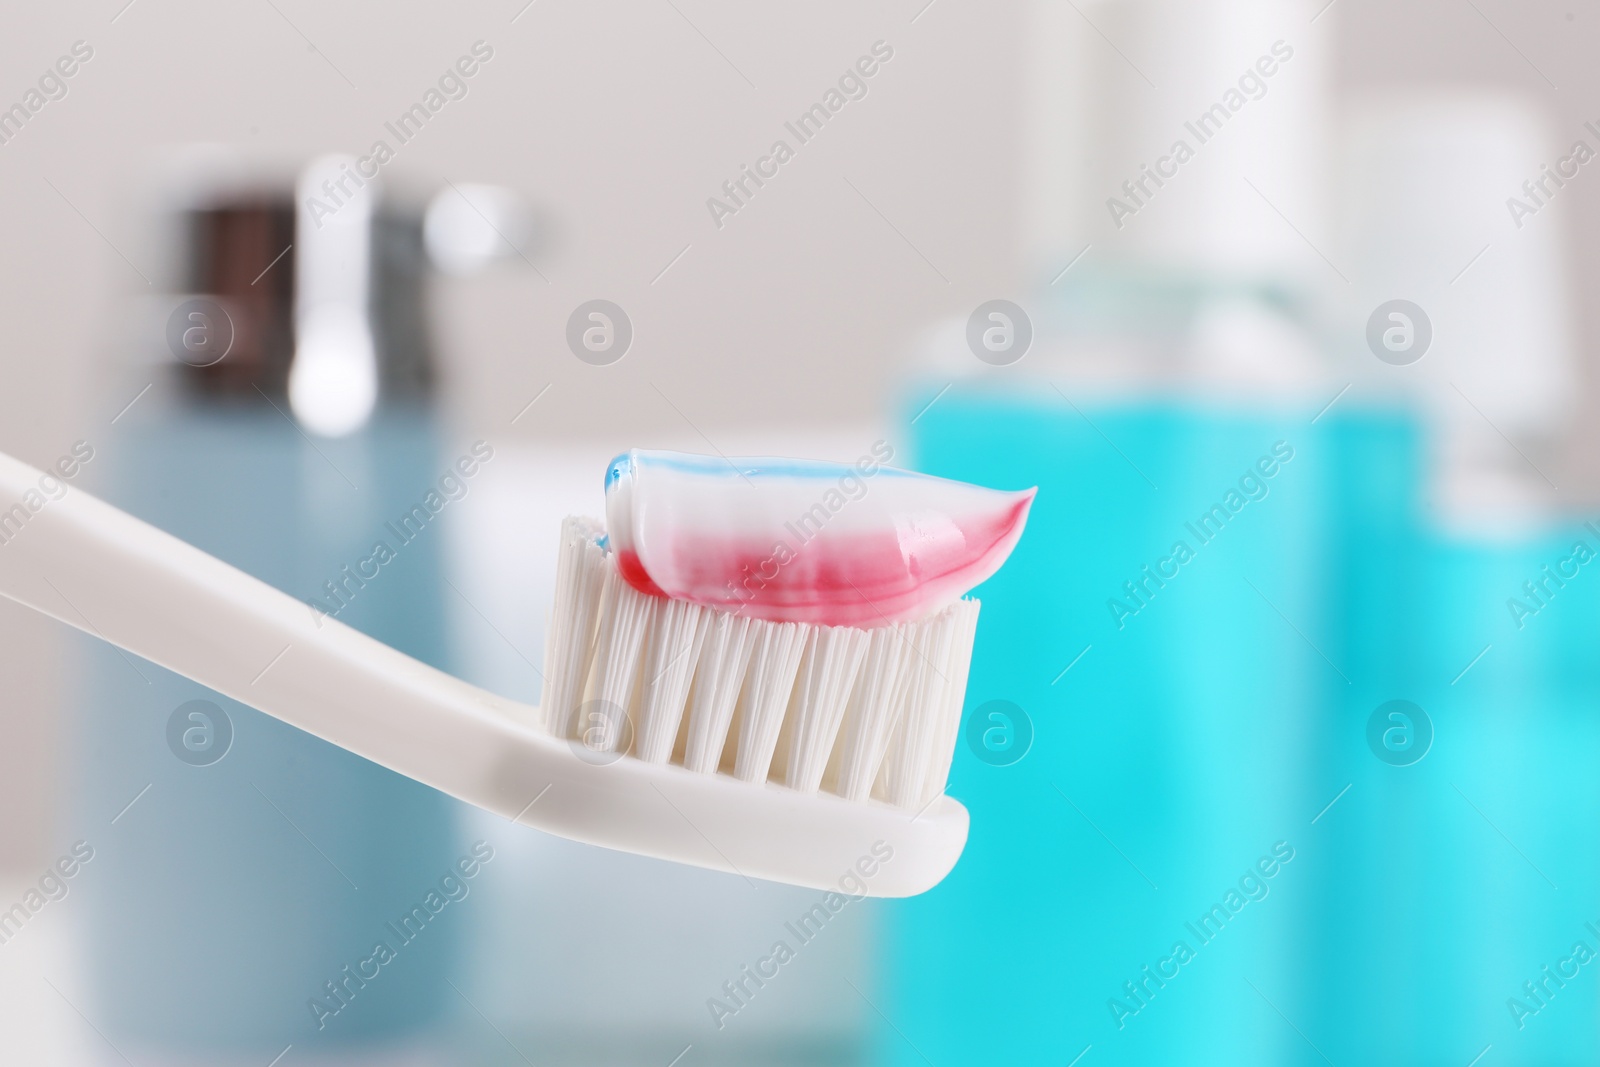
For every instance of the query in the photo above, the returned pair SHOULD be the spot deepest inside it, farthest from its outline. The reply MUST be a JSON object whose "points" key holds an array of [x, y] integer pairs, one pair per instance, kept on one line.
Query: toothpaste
{"points": [[788, 540]]}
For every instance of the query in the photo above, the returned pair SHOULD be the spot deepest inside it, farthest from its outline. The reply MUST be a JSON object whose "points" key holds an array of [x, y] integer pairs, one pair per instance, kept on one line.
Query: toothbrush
{"points": [[795, 720]]}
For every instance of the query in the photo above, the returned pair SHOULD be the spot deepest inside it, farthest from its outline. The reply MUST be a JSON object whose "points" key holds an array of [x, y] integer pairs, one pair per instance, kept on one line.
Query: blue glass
{"points": [[1450, 883], [229, 894], [1166, 760]]}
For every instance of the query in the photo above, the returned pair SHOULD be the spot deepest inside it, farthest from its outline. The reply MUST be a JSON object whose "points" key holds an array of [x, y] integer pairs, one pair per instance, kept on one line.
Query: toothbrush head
{"points": [[778, 650]]}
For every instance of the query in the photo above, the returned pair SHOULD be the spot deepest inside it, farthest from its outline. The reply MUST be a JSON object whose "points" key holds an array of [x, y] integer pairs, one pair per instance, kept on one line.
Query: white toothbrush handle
{"points": [[105, 572], [84, 562]]}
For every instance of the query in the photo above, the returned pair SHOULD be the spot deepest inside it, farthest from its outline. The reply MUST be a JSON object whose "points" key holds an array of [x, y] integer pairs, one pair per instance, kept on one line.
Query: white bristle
{"points": [[833, 659], [869, 714], [569, 641], [913, 761], [874, 710], [718, 678], [767, 688], [625, 614], [947, 730], [671, 650]]}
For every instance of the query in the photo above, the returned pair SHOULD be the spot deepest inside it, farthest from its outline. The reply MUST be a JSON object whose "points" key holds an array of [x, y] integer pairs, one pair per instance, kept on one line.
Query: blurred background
{"points": [[1279, 303]]}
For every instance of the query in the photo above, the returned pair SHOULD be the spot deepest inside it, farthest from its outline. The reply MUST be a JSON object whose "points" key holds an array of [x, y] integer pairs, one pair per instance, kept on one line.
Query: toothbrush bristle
{"points": [[917, 763], [718, 678], [671, 652], [774, 665], [861, 713], [624, 617], [833, 660], [876, 704], [569, 638]]}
